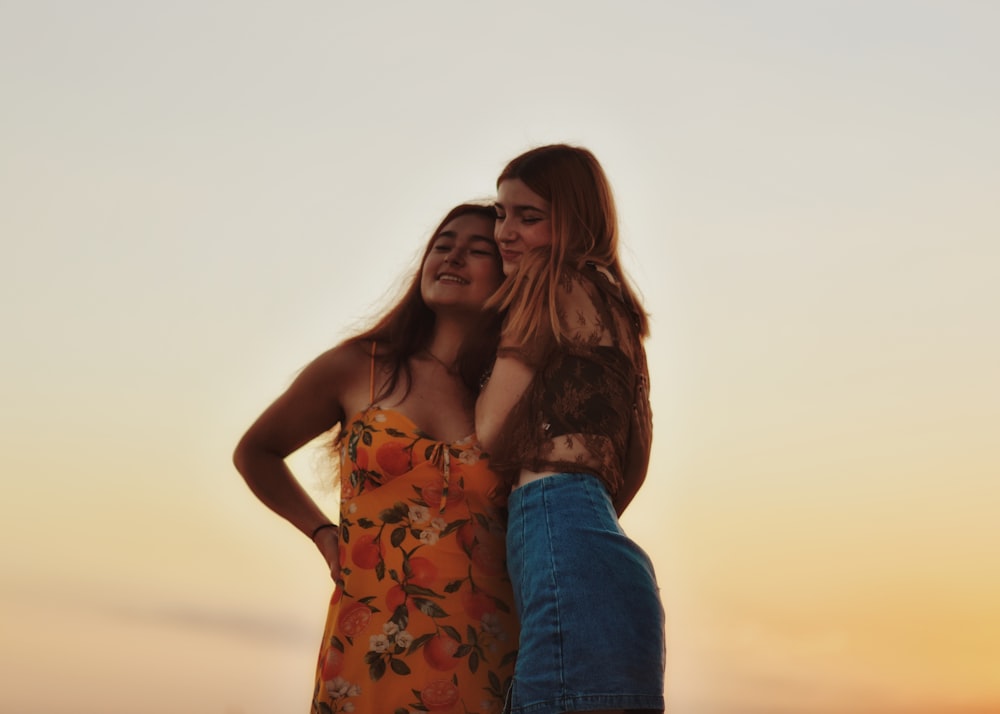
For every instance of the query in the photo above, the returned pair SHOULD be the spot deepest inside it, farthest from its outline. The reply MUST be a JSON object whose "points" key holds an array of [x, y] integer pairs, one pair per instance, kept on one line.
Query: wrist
{"points": [[321, 527]]}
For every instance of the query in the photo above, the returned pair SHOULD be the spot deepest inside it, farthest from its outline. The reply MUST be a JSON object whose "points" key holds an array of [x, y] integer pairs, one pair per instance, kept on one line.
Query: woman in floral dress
{"points": [[422, 616]]}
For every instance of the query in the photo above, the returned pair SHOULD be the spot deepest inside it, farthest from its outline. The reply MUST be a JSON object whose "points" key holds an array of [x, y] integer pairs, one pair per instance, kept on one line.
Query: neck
{"points": [[446, 341]]}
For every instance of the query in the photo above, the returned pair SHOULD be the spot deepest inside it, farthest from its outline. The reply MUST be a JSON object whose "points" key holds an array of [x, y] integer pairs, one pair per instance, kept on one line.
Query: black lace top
{"points": [[575, 414]]}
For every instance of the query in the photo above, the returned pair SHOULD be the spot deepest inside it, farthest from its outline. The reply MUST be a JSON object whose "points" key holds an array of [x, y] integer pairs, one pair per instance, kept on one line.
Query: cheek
{"points": [[427, 272], [485, 276], [490, 277], [430, 266], [539, 236]]}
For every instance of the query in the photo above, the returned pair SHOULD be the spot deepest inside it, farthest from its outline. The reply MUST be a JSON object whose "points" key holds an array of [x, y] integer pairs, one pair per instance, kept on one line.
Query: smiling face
{"points": [[461, 269], [523, 222]]}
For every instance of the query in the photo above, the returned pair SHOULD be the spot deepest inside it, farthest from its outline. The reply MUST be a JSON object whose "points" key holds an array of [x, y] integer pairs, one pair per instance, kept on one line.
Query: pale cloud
{"points": [[226, 620]]}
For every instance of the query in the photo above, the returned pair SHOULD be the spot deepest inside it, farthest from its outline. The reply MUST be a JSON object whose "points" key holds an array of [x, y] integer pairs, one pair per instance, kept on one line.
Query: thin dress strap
{"points": [[371, 376]]}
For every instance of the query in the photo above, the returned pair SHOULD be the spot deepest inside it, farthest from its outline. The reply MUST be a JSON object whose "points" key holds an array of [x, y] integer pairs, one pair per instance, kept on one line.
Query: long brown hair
{"points": [[584, 230], [407, 327]]}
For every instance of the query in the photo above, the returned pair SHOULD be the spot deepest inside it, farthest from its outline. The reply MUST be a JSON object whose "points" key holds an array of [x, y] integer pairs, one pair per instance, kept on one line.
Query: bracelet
{"points": [[321, 526]]}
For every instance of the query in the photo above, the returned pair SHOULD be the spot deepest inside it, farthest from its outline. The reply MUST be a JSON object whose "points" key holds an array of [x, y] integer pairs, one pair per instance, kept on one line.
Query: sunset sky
{"points": [[196, 198]]}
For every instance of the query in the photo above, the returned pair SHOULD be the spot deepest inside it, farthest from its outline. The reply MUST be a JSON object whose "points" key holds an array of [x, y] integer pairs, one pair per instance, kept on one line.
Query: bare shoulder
{"points": [[338, 373], [316, 401], [340, 361], [328, 386]]}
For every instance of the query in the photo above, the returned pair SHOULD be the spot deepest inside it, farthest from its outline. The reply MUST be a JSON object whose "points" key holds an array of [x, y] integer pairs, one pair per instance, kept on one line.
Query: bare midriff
{"points": [[527, 476]]}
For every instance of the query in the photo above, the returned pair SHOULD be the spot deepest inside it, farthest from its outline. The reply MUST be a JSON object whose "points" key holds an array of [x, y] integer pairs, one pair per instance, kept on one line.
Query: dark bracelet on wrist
{"points": [[321, 526]]}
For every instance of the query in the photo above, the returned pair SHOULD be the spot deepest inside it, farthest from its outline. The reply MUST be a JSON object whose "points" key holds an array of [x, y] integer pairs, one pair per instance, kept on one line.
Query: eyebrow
{"points": [[521, 208], [477, 238]]}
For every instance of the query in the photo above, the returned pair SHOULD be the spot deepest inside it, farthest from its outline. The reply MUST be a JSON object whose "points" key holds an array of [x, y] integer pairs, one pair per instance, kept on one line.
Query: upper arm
{"points": [[311, 405], [509, 380], [581, 315]]}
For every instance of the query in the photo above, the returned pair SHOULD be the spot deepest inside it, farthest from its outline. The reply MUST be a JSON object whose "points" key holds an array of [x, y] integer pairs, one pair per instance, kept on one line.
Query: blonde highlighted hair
{"points": [[584, 230]]}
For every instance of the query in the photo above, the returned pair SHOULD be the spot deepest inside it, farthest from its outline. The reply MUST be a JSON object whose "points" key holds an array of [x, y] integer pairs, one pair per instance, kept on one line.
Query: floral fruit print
{"points": [[476, 604], [439, 694], [433, 493], [440, 653], [366, 553], [333, 665], [338, 593], [489, 558], [423, 572], [417, 622], [393, 458], [395, 597], [466, 535], [354, 619]]}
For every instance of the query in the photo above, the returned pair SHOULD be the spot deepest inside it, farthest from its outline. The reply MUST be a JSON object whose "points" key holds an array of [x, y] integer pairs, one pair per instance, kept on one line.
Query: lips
{"points": [[509, 255]]}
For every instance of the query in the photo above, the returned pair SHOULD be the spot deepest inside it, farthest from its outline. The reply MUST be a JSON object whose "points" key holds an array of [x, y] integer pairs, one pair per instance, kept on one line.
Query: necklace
{"points": [[450, 369]]}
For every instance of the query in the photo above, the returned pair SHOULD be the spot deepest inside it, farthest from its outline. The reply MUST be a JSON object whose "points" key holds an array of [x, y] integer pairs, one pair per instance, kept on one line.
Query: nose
{"points": [[502, 231], [455, 256]]}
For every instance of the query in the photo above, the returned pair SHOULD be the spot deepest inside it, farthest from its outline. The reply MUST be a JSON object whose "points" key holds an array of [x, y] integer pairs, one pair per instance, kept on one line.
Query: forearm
{"points": [[270, 479], [507, 383]]}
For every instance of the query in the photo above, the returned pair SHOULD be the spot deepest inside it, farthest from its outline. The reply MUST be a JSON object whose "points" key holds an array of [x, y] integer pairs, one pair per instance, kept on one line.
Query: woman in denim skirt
{"points": [[565, 417]]}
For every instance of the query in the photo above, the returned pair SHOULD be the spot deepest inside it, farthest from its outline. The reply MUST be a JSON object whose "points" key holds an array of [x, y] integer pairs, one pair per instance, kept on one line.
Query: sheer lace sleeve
{"points": [[583, 318]]}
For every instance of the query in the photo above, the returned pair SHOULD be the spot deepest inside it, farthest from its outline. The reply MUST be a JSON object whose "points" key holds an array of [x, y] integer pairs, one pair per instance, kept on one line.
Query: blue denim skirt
{"points": [[592, 624]]}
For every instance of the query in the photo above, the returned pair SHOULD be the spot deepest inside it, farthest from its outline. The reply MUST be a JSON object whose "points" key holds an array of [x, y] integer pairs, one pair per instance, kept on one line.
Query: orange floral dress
{"points": [[424, 620]]}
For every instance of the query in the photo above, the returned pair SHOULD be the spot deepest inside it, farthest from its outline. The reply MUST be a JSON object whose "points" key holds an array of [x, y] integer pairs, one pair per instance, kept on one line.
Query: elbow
{"points": [[255, 454], [241, 456], [247, 453]]}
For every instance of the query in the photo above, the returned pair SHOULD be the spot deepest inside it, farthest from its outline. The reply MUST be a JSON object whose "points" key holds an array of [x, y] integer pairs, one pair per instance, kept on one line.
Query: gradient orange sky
{"points": [[198, 198]]}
